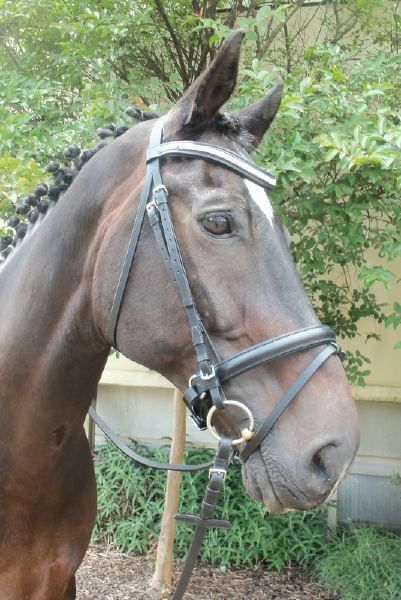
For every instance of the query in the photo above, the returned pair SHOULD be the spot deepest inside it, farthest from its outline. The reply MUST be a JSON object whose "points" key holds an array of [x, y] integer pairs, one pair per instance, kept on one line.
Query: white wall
{"points": [[138, 403]]}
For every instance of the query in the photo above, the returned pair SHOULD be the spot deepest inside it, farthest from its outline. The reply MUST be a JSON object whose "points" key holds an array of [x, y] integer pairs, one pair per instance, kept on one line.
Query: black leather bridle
{"points": [[205, 393], [205, 390]]}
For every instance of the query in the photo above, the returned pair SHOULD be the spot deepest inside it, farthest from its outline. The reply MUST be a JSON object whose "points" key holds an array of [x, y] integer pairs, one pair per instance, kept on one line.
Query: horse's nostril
{"points": [[327, 464], [319, 464]]}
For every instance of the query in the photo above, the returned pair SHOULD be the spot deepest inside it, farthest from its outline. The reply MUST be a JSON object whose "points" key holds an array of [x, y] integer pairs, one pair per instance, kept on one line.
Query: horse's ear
{"points": [[209, 91], [257, 118]]}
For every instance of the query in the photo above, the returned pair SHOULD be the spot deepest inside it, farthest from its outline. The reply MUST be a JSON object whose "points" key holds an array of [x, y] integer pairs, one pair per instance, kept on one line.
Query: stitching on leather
{"points": [[327, 337], [222, 156]]}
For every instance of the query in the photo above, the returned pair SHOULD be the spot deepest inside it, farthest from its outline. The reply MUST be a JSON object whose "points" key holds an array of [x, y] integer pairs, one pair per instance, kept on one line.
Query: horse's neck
{"points": [[47, 335]]}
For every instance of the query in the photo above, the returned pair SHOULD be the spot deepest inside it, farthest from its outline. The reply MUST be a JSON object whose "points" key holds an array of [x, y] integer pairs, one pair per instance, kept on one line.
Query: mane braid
{"points": [[31, 210]]}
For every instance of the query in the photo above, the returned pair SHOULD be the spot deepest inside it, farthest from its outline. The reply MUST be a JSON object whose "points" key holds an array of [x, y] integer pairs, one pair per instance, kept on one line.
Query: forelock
{"points": [[229, 125]]}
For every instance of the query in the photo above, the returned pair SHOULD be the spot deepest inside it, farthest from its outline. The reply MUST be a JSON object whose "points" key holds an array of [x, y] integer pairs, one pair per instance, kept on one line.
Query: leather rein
{"points": [[205, 393]]}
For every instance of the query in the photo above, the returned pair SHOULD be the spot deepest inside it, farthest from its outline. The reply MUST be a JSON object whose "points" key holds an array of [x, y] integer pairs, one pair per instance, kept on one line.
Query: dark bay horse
{"points": [[56, 294]]}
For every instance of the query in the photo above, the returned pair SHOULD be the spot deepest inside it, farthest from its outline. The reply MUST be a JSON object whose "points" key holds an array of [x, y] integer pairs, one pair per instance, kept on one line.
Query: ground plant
{"points": [[363, 564], [356, 563], [130, 506]]}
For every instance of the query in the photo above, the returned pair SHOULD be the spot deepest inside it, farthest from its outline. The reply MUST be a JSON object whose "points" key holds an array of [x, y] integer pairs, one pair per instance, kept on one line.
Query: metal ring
{"points": [[248, 431]]}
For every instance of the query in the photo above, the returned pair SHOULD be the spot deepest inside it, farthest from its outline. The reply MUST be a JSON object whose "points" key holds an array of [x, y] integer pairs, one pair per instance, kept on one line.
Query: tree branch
{"points": [[287, 47], [176, 43], [274, 33]]}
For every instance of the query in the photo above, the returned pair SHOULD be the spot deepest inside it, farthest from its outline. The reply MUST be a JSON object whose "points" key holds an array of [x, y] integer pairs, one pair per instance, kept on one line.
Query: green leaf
{"points": [[338, 74], [336, 139], [371, 275], [332, 153]]}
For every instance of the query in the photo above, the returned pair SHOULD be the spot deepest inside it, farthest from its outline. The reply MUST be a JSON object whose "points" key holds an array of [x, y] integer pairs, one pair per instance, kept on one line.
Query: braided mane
{"points": [[31, 209]]}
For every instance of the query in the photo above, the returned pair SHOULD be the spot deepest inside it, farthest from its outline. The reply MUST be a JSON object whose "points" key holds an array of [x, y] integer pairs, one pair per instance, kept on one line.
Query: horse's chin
{"points": [[258, 484]]}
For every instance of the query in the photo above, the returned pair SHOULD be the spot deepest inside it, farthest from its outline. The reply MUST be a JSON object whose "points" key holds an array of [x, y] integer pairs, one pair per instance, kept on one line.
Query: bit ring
{"points": [[246, 433]]}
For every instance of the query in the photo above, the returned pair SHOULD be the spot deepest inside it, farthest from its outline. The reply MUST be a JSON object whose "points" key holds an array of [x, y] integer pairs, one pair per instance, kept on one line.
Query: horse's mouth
{"points": [[280, 494]]}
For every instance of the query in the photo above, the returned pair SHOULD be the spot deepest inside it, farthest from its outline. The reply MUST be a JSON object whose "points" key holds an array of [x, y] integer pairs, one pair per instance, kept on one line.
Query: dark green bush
{"points": [[130, 505]]}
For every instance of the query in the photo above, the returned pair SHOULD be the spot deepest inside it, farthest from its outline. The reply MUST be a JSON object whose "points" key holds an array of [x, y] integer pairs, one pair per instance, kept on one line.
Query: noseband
{"points": [[205, 393]]}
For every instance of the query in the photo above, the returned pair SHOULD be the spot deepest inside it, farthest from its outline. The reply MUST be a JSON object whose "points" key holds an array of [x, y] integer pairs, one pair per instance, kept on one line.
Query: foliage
{"points": [[69, 67], [396, 479], [363, 564], [66, 66], [336, 148], [281, 32], [86, 42], [130, 505]]}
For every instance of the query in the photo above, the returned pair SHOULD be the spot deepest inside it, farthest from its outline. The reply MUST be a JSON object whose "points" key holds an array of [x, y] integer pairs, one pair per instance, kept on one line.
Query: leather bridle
{"points": [[205, 393]]}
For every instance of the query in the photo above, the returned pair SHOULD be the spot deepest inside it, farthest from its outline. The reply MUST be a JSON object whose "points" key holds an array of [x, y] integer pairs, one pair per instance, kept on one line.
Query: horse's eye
{"points": [[216, 224]]}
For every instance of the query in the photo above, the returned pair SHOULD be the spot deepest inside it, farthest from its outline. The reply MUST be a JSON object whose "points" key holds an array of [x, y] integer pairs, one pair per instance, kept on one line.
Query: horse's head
{"points": [[246, 290]]}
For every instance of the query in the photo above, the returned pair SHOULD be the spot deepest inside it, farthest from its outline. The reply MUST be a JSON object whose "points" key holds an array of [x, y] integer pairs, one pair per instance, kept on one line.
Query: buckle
{"points": [[198, 421], [217, 471], [153, 212], [195, 416], [159, 188], [202, 375], [339, 351], [207, 376]]}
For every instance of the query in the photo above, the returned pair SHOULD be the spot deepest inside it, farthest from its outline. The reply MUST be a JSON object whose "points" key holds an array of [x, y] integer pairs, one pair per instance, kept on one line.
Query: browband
{"points": [[216, 154]]}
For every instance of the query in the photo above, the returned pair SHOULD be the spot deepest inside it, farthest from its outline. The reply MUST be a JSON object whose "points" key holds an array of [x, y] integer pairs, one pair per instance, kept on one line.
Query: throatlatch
{"points": [[205, 394]]}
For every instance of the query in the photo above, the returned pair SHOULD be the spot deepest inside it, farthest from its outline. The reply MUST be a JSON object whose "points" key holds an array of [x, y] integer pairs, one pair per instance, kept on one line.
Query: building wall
{"points": [[368, 494], [138, 403]]}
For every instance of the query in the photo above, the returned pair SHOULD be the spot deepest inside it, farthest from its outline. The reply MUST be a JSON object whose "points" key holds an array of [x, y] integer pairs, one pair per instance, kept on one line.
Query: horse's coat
{"points": [[56, 293]]}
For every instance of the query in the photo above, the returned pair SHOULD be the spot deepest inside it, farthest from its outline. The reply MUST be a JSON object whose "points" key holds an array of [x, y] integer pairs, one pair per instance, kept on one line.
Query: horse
{"points": [[57, 292]]}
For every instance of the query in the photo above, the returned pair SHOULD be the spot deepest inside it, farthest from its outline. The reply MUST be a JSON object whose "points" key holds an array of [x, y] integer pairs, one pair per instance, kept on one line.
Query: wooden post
{"points": [[163, 575], [92, 428], [332, 513]]}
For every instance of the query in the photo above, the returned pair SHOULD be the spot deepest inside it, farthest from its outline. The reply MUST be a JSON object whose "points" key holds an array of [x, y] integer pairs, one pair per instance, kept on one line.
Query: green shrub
{"points": [[130, 505], [336, 148], [363, 565]]}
